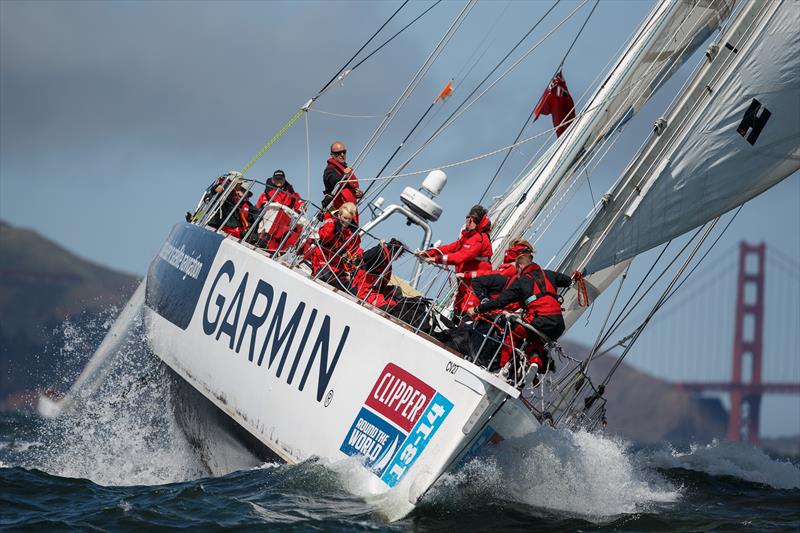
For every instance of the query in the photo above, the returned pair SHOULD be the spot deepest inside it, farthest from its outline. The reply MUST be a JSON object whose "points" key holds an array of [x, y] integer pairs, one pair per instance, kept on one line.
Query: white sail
{"points": [[733, 133], [671, 32]]}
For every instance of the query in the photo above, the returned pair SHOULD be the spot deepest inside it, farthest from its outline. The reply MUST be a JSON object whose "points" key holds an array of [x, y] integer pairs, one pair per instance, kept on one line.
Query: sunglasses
{"points": [[340, 152]]}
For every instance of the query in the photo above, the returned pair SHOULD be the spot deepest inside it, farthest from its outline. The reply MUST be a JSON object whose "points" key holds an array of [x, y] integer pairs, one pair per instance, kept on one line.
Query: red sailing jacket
{"points": [[507, 269], [534, 290], [286, 197], [330, 242], [471, 252]]}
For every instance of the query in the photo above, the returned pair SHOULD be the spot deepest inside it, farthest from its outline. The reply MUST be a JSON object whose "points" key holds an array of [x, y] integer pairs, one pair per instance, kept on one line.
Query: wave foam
{"points": [[731, 459], [123, 431], [578, 473]]}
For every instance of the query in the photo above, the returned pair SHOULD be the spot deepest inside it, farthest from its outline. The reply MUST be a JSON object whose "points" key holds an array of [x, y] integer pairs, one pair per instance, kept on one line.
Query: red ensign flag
{"points": [[557, 102]]}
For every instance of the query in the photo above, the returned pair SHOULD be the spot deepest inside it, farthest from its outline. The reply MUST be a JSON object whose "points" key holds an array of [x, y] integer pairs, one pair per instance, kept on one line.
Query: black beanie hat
{"points": [[477, 211]]}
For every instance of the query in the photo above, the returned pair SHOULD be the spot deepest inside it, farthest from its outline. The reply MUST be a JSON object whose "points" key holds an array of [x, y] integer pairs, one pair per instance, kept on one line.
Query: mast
{"points": [[732, 134], [672, 31]]}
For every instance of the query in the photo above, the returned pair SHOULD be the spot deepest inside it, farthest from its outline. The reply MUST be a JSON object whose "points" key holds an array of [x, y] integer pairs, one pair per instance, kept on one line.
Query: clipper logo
{"points": [[414, 410], [399, 396]]}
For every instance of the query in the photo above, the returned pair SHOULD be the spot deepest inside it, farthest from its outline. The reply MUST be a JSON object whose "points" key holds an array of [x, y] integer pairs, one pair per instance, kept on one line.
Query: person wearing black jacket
{"points": [[339, 180], [534, 290]]}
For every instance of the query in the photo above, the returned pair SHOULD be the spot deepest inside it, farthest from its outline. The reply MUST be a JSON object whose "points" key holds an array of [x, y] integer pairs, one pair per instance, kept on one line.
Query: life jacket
{"points": [[282, 195], [369, 286], [545, 299], [336, 250], [347, 192]]}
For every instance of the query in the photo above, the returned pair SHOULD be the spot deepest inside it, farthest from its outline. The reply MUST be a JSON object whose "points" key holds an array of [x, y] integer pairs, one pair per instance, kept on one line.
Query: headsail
{"points": [[672, 31], [731, 135]]}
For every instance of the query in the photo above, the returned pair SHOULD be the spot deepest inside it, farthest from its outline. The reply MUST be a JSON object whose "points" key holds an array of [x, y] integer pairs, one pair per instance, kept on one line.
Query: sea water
{"points": [[119, 461]]}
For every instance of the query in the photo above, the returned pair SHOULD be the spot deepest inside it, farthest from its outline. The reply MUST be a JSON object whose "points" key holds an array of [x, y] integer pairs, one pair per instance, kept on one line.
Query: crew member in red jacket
{"points": [[280, 191], [339, 180], [371, 282], [472, 252], [487, 285], [338, 250], [239, 221], [535, 291], [275, 228]]}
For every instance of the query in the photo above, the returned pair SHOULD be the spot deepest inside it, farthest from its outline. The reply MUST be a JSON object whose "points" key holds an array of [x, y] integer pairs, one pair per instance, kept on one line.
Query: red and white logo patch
{"points": [[399, 396]]}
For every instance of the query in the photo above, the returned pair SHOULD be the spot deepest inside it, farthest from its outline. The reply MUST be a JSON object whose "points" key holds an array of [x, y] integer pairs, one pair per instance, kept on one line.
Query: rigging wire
{"points": [[414, 82], [345, 115], [403, 142], [477, 87], [473, 62], [661, 300], [668, 293], [505, 158], [575, 40], [390, 39], [530, 117], [630, 94], [308, 160], [423, 122], [304, 108], [706, 253], [618, 321], [341, 70], [458, 163]]}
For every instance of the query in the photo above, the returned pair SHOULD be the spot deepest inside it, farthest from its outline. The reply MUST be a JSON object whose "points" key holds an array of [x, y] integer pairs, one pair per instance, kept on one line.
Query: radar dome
{"points": [[434, 182]]}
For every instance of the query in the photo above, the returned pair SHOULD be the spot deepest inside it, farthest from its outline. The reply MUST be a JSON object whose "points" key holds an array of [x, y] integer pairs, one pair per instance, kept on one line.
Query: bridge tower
{"points": [[748, 343]]}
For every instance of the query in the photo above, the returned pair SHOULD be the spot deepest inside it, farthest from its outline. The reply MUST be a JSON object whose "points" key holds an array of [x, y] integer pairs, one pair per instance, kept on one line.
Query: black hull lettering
{"points": [[210, 326]]}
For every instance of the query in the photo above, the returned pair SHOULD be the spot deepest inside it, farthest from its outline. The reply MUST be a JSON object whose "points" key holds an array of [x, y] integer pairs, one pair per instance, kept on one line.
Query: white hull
{"points": [[311, 372]]}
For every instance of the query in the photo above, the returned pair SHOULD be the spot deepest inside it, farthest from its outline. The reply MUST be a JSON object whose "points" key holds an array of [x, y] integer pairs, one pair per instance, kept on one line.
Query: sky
{"points": [[114, 116]]}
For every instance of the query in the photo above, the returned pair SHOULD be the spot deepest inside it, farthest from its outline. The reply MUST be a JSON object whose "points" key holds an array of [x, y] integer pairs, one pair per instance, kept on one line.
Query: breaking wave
{"points": [[730, 459], [120, 430], [576, 473]]}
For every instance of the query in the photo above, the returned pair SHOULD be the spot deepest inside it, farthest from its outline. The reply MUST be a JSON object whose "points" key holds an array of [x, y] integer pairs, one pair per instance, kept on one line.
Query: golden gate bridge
{"points": [[735, 329]]}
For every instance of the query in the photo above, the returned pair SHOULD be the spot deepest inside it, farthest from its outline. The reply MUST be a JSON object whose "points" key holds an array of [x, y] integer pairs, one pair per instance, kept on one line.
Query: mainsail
{"points": [[732, 134], [671, 32]]}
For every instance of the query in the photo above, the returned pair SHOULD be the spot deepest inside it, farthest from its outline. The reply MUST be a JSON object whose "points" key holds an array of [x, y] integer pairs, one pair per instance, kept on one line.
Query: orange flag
{"points": [[447, 91]]}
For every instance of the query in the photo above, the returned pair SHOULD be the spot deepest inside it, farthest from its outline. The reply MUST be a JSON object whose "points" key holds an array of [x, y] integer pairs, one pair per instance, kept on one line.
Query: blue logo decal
{"points": [[177, 274], [418, 439], [374, 439]]}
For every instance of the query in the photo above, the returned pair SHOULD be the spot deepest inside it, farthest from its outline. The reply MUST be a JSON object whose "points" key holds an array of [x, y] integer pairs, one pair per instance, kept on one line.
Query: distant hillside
{"points": [[41, 285], [648, 410]]}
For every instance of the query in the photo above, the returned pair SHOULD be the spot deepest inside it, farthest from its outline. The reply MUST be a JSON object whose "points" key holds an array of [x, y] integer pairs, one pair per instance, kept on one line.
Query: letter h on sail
{"points": [[753, 120]]}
